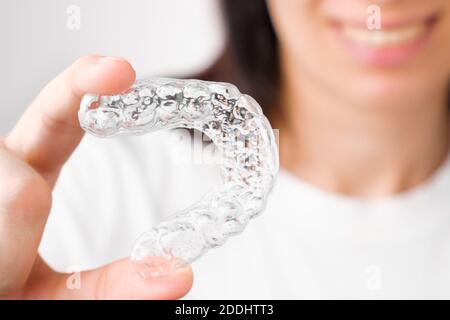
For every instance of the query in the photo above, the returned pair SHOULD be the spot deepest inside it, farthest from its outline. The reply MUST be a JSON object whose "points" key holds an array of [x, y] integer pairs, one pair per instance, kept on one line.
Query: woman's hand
{"points": [[31, 157]]}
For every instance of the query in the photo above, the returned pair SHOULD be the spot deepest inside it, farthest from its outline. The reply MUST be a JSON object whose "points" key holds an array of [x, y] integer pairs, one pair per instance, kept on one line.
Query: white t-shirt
{"points": [[309, 243]]}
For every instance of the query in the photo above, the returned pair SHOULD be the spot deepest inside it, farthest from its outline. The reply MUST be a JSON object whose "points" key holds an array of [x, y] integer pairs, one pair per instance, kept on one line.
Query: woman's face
{"points": [[330, 42]]}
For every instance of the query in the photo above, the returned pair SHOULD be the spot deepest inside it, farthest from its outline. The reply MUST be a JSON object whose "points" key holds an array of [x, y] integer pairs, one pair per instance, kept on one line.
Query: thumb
{"points": [[118, 280]]}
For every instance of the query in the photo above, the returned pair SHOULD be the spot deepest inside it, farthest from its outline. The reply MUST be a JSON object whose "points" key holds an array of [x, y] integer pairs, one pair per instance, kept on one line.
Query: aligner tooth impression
{"points": [[236, 125]]}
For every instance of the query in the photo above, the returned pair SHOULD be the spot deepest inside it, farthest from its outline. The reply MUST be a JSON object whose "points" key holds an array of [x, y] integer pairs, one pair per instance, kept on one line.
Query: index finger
{"points": [[48, 131]]}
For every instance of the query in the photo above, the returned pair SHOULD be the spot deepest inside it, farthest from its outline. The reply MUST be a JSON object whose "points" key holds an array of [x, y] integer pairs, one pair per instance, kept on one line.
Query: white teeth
{"points": [[385, 38]]}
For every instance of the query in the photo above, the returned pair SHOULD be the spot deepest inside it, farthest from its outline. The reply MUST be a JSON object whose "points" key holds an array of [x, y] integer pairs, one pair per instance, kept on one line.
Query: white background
{"points": [[159, 37]]}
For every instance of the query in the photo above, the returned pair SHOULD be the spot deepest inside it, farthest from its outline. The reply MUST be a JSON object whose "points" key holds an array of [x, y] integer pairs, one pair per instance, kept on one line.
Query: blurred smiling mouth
{"points": [[394, 44], [385, 38]]}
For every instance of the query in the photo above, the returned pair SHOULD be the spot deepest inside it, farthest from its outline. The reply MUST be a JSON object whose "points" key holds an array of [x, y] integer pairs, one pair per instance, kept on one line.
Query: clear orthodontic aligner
{"points": [[236, 125]]}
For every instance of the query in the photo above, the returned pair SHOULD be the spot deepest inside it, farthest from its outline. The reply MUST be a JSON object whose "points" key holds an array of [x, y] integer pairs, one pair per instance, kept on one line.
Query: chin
{"points": [[391, 89]]}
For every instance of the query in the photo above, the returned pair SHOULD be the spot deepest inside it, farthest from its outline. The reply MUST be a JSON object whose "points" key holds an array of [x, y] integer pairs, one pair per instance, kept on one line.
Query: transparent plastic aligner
{"points": [[249, 160]]}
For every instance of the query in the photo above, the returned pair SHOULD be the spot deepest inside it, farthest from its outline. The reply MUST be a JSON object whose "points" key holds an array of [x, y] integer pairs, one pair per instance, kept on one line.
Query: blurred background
{"points": [[159, 37]]}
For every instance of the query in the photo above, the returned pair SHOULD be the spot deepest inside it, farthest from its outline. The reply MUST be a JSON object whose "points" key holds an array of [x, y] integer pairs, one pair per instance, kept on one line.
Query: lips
{"points": [[392, 45]]}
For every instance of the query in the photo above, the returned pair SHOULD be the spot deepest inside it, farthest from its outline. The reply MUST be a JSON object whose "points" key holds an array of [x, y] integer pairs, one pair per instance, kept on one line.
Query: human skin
{"points": [[362, 127], [363, 118], [31, 157]]}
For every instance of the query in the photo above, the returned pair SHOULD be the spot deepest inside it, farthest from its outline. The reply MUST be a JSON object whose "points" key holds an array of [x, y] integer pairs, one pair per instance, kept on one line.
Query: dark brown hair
{"points": [[251, 58]]}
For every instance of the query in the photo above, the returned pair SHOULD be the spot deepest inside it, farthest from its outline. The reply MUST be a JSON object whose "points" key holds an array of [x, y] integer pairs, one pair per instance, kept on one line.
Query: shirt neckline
{"points": [[432, 187]]}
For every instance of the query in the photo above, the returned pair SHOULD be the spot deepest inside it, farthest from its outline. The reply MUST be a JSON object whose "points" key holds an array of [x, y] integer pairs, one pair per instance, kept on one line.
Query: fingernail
{"points": [[183, 270], [157, 267], [111, 59]]}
